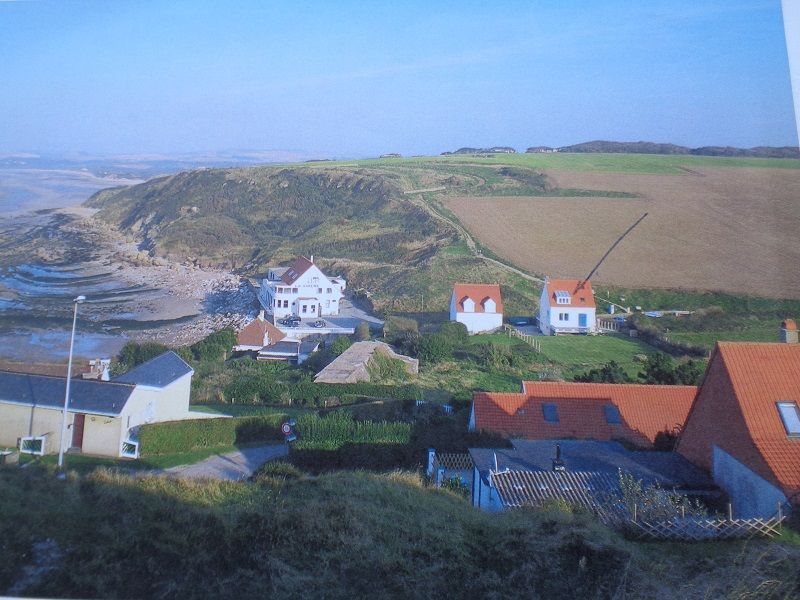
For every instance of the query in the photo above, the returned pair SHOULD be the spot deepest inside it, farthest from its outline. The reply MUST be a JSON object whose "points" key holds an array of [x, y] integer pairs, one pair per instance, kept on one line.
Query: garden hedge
{"points": [[175, 437]]}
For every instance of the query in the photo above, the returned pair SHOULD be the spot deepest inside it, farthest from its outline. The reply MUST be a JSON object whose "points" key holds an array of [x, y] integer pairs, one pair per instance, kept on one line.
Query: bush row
{"points": [[175, 437], [307, 393]]}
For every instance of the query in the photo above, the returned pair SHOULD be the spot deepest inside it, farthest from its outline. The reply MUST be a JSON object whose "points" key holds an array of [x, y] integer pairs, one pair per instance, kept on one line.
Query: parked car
{"points": [[289, 320], [519, 321], [318, 323]]}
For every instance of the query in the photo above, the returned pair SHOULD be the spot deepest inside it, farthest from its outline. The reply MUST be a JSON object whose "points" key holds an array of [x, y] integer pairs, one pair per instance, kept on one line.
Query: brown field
{"points": [[724, 229]]}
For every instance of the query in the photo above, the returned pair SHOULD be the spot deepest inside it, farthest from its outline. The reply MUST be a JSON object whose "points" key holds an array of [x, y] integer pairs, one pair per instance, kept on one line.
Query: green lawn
{"points": [[577, 354]]}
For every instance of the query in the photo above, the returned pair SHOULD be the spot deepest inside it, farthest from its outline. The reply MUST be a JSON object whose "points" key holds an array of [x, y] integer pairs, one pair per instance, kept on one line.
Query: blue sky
{"points": [[363, 78]]}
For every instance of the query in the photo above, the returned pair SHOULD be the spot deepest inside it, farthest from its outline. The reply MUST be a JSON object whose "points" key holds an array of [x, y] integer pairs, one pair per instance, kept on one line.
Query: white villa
{"points": [[567, 306], [302, 290], [478, 306]]}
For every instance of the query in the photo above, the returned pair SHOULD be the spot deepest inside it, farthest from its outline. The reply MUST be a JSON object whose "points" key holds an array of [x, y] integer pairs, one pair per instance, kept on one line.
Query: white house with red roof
{"points": [[479, 306], [567, 306], [302, 290]]}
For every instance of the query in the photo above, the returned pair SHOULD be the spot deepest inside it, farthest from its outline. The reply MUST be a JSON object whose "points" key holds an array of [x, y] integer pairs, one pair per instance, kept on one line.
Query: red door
{"points": [[77, 431]]}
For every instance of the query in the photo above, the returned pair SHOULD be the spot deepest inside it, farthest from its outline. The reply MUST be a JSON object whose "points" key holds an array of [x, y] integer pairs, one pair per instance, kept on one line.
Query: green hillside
{"points": [[378, 222], [342, 535]]}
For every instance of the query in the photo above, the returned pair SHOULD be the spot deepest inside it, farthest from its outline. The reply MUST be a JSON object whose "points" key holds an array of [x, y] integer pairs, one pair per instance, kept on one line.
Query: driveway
{"points": [[233, 465]]}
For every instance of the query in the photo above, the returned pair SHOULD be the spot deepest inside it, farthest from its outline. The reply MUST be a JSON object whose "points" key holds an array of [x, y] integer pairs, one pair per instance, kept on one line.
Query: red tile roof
{"points": [[255, 332], [736, 411], [645, 410], [579, 296], [295, 270], [479, 293]]}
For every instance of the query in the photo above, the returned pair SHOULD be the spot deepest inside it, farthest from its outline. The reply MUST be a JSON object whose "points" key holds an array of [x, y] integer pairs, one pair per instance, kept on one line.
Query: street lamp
{"points": [[77, 301]]}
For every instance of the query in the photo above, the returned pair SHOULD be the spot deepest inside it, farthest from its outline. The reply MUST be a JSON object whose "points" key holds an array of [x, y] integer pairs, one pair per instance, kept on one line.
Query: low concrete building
{"points": [[352, 365], [478, 306], [581, 472], [102, 416]]}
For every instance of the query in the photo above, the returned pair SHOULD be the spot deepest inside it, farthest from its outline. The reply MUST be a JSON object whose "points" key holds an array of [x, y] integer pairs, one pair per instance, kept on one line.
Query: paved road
{"points": [[234, 465]]}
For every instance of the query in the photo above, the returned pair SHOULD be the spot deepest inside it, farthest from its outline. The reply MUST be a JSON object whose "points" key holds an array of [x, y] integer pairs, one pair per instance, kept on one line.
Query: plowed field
{"points": [[714, 228]]}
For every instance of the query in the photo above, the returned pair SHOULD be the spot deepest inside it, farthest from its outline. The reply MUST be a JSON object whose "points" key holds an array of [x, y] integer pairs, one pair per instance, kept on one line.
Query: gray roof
{"points": [[668, 469], [86, 395], [157, 372], [533, 488]]}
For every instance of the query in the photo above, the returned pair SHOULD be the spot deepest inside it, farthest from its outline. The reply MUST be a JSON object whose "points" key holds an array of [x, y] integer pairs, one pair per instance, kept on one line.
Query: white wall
{"points": [[151, 405], [750, 495], [480, 322]]}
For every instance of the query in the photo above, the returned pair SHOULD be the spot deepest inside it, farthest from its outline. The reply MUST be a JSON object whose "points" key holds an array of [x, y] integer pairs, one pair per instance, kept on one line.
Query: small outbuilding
{"points": [[478, 306]]}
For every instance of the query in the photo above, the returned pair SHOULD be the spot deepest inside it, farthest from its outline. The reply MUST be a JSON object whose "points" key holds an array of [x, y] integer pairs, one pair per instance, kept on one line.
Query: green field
{"points": [[618, 163]]}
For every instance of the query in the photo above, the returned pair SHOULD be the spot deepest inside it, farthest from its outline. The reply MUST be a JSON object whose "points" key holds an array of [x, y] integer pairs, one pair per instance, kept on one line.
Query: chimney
{"points": [[558, 464], [312, 258], [788, 332], [261, 315]]}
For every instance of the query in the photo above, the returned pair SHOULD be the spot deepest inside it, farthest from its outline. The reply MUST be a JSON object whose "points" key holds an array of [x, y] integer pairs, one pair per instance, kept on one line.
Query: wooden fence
{"points": [[696, 530], [528, 339]]}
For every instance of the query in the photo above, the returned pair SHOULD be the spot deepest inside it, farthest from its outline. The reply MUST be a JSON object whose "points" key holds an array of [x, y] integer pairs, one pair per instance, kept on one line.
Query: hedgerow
{"points": [[175, 437]]}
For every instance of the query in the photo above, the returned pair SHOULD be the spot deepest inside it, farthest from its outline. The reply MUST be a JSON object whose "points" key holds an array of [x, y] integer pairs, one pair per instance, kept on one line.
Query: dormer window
{"points": [[790, 415], [562, 297]]}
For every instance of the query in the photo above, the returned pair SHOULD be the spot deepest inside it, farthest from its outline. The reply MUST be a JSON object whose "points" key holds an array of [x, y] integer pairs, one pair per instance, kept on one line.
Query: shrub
{"points": [[261, 428], [276, 469], [134, 353], [454, 331], [362, 332], [407, 342], [382, 367], [395, 326], [214, 347], [611, 372], [435, 347], [339, 345]]}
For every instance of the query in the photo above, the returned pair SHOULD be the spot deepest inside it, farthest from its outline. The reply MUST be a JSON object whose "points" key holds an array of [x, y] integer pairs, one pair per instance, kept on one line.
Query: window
{"points": [[294, 290], [285, 304], [328, 291], [315, 281], [327, 303], [562, 297], [305, 308], [563, 316], [550, 412], [313, 308], [319, 290], [790, 415], [612, 414]]}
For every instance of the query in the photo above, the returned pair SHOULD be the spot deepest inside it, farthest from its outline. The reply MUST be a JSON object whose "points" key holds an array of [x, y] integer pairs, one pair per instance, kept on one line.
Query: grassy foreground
{"points": [[349, 534]]}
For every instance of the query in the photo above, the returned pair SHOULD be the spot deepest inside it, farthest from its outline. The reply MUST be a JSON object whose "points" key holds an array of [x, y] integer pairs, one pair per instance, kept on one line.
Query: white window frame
{"points": [[790, 417]]}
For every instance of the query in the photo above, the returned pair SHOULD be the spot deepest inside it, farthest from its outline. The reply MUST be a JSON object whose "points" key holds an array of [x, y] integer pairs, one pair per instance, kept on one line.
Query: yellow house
{"points": [[102, 416]]}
